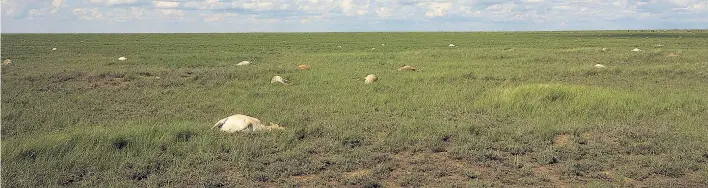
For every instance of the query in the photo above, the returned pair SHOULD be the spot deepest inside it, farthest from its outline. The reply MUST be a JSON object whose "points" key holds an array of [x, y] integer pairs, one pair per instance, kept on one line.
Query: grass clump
{"points": [[560, 103]]}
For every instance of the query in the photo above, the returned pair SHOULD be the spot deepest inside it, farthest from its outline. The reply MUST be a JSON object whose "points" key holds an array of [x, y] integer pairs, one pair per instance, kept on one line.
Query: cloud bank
{"points": [[179, 16]]}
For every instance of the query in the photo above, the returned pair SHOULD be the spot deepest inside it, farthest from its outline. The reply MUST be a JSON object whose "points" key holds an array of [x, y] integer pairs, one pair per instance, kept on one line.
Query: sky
{"points": [[218, 16]]}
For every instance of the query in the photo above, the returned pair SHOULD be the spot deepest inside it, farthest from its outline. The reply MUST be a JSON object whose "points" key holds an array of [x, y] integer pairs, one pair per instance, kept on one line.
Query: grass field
{"points": [[521, 109]]}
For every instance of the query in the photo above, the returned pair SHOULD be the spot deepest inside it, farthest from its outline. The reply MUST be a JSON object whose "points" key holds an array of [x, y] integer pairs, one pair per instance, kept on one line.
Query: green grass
{"points": [[500, 109]]}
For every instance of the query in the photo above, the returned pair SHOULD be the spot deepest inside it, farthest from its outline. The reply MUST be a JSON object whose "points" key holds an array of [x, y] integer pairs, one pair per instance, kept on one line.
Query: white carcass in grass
{"points": [[599, 66], [406, 68], [244, 123], [370, 79], [244, 63], [122, 59], [636, 50], [304, 67], [278, 79]]}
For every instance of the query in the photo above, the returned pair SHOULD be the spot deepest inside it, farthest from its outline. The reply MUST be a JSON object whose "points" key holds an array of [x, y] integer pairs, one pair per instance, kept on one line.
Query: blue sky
{"points": [[180, 16]]}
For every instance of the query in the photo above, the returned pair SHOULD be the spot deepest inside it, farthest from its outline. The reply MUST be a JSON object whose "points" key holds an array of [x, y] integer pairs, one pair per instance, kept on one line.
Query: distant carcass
{"points": [[303, 67], [278, 79], [370, 79], [244, 63], [406, 68]]}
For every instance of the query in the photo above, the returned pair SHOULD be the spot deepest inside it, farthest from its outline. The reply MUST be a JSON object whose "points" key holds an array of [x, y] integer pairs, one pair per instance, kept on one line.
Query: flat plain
{"points": [[520, 109]]}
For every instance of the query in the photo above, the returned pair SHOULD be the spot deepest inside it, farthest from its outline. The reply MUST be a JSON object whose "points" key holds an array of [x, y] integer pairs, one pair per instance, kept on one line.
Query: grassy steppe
{"points": [[499, 109]]}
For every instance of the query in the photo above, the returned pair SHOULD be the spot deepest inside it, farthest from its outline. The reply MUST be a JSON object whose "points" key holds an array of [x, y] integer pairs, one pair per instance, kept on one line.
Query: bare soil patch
{"points": [[562, 140]]}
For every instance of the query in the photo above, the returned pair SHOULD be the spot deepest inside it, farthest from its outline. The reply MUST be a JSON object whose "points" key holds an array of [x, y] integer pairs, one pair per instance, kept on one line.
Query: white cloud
{"points": [[56, 4], [354, 7], [699, 7], [681, 3], [165, 4], [172, 12], [128, 14], [506, 7], [217, 17], [87, 13], [316, 6], [384, 12], [114, 2], [258, 5], [205, 5], [12, 8], [397, 9], [436, 9], [136, 12]]}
